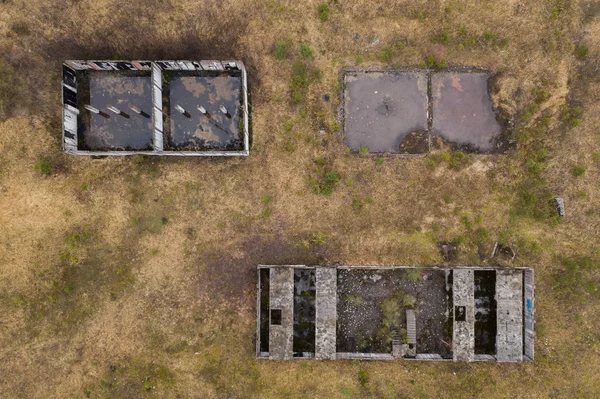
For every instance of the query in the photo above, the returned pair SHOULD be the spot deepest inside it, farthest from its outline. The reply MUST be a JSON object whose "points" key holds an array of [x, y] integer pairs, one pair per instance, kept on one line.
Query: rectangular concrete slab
{"points": [[463, 337], [281, 293], [382, 108], [326, 312], [129, 131], [462, 110], [509, 300]]}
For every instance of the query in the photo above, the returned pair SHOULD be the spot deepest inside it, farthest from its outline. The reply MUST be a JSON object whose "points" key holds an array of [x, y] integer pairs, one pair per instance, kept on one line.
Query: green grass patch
{"points": [[582, 51], [325, 184], [489, 36], [578, 280], [571, 115], [323, 12], [131, 379], [282, 49], [306, 52], [44, 165], [578, 171], [436, 63], [387, 54], [302, 77], [442, 37]]}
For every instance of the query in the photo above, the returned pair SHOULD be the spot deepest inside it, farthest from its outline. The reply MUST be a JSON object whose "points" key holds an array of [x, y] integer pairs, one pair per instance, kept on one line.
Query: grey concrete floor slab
{"points": [[382, 108], [196, 131], [462, 110], [117, 132]]}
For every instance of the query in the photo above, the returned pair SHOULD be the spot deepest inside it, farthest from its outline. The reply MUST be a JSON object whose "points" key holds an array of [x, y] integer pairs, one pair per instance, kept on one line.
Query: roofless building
{"points": [[184, 108], [385, 313]]}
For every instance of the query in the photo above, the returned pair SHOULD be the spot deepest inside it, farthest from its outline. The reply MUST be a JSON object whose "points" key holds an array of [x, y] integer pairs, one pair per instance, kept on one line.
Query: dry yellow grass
{"points": [[136, 277]]}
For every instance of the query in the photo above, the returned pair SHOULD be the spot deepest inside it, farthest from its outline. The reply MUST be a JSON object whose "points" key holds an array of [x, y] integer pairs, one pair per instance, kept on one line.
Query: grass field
{"points": [[136, 277]]}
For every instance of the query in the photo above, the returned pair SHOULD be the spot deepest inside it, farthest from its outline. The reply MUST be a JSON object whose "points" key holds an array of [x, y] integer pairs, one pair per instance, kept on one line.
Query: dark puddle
{"points": [[107, 130], [304, 311], [485, 312], [218, 125], [264, 275]]}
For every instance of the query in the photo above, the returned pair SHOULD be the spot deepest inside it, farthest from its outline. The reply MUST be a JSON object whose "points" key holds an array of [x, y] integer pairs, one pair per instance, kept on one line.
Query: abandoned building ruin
{"points": [[181, 108], [460, 314], [413, 110]]}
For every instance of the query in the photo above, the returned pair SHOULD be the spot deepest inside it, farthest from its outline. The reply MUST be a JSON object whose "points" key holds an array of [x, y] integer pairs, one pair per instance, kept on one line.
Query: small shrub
{"points": [[20, 28], [489, 35], [323, 11], [306, 52], [578, 171], [482, 235], [596, 156], [442, 37], [315, 239], [266, 213], [582, 51], [299, 83], [413, 275], [266, 199], [302, 76], [363, 150], [379, 162], [325, 184], [282, 48], [320, 161], [434, 63], [459, 159], [386, 54], [363, 378], [355, 299], [448, 199], [357, 204], [44, 166], [540, 95]]}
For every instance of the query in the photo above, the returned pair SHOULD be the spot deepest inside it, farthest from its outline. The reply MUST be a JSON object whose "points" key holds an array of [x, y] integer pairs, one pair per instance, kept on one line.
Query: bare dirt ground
{"points": [[136, 277]]}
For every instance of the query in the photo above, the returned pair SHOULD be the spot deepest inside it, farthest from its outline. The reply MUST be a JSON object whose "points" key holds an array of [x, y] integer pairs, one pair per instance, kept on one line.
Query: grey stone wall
{"points": [[281, 293], [463, 339], [509, 300], [326, 312]]}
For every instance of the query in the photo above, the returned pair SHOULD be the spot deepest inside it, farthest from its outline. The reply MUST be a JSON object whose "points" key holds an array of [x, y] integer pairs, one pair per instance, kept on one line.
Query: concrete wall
{"points": [[463, 337]]}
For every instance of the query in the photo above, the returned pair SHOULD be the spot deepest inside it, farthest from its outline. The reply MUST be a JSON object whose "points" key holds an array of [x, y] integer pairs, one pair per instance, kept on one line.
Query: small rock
{"points": [[357, 37], [374, 42], [326, 97], [559, 205]]}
